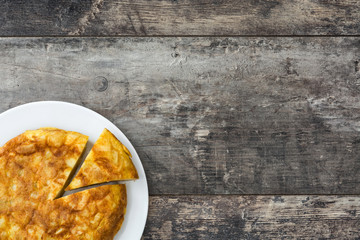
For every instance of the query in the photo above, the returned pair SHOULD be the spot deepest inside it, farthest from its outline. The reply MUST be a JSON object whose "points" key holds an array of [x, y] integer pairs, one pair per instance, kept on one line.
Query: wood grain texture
{"points": [[209, 115], [179, 17], [253, 217]]}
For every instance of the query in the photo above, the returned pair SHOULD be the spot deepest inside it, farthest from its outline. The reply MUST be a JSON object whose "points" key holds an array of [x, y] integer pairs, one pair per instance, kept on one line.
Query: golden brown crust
{"points": [[96, 213], [108, 160], [44, 157], [34, 167]]}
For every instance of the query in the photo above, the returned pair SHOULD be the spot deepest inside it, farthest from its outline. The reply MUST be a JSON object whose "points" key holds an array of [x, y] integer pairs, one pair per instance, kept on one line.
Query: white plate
{"points": [[73, 117]]}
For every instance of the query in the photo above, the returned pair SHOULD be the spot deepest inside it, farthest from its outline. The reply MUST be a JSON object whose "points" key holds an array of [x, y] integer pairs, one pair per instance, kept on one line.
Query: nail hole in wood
{"points": [[100, 84]]}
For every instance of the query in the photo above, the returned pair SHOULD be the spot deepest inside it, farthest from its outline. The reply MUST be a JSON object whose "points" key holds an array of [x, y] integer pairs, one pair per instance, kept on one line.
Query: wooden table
{"points": [[245, 114]]}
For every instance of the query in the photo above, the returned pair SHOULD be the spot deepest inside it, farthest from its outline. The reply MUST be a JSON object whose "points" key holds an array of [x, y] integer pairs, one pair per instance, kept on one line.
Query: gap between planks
{"points": [[185, 36]]}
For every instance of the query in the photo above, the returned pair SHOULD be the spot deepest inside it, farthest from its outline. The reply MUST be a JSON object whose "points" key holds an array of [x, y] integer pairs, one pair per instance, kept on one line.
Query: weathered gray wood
{"points": [[209, 115], [253, 217], [183, 17]]}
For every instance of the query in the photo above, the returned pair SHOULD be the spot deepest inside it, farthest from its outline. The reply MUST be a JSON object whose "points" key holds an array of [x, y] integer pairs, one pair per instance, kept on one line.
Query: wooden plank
{"points": [[209, 115], [185, 17], [253, 217]]}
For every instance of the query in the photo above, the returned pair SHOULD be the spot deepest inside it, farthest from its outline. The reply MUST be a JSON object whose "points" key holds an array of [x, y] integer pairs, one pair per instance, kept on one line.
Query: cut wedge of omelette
{"points": [[35, 168], [108, 160]]}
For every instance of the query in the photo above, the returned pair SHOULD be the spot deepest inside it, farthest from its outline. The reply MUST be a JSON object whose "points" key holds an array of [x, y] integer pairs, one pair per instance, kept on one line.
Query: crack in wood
{"points": [[84, 21]]}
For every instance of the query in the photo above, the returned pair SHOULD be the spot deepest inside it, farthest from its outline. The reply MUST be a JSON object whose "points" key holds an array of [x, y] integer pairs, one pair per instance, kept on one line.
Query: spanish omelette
{"points": [[37, 165], [109, 160]]}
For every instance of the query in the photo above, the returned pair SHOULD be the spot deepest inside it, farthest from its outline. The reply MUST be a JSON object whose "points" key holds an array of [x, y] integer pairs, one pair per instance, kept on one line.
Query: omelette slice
{"points": [[41, 161], [109, 160]]}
